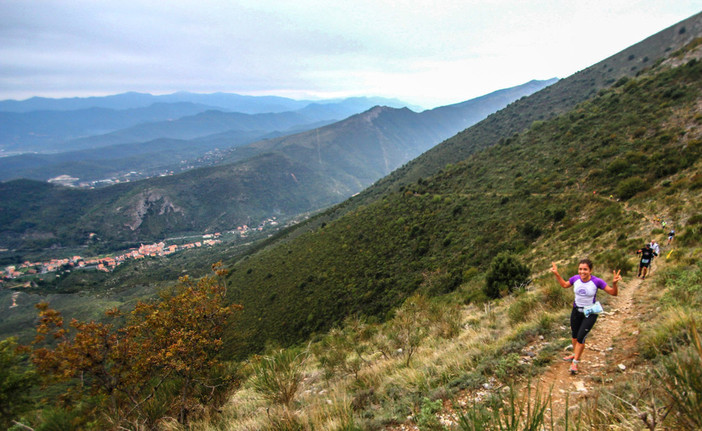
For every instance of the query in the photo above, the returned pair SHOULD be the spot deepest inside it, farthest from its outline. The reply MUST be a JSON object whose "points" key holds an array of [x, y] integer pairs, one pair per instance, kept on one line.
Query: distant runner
{"points": [[671, 234], [585, 287], [647, 255]]}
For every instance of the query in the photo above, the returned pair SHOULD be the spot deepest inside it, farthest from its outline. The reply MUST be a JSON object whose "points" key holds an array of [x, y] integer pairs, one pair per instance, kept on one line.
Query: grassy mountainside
{"points": [[456, 362], [552, 181]]}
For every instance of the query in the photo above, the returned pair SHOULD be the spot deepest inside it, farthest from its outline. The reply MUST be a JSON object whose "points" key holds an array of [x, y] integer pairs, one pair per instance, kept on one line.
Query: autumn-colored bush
{"points": [[164, 349]]}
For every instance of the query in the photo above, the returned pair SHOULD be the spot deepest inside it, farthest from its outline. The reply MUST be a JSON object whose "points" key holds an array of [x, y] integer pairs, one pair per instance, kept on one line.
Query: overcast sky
{"points": [[429, 53]]}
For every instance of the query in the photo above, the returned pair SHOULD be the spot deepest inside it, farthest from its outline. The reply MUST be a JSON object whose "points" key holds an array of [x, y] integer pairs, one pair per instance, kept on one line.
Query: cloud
{"points": [[424, 52]]}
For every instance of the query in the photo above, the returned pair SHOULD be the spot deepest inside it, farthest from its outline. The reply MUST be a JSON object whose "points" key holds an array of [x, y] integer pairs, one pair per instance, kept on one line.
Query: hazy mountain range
{"points": [[221, 101], [281, 176], [102, 123]]}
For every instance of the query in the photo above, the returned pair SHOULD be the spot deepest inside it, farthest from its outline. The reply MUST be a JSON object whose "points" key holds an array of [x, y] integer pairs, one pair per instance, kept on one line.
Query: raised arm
{"points": [[614, 289], [564, 284]]}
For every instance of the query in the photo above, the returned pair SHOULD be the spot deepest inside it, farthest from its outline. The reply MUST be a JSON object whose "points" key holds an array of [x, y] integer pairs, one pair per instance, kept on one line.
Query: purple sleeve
{"points": [[573, 279], [601, 284]]}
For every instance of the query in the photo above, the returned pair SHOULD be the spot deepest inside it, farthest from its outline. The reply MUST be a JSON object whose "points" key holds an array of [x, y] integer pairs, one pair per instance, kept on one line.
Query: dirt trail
{"points": [[610, 345]]}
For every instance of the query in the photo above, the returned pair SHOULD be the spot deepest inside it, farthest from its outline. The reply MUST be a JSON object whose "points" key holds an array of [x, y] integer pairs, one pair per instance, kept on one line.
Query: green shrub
{"points": [[277, 377], [59, 419], [506, 273], [426, 419], [530, 231], [556, 297], [508, 366], [16, 381], [469, 273], [519, 310], [629, 187]]}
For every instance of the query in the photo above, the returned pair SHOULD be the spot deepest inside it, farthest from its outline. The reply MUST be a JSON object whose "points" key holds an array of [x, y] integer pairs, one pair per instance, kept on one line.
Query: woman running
{"points": [[585, 286]]}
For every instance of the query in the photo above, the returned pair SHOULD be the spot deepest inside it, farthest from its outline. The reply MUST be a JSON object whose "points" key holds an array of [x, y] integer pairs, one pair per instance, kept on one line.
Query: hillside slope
{"points": [[428, 235], [370, 145]]}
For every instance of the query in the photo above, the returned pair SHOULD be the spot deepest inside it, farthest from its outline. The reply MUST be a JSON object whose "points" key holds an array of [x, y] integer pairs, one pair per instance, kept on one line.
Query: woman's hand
{"points": [[616, 276], [564, 284]]}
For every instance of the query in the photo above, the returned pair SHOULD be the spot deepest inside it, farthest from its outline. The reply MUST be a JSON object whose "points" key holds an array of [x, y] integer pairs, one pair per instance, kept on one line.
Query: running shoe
{"points": [[574, 368], [569, 358]]}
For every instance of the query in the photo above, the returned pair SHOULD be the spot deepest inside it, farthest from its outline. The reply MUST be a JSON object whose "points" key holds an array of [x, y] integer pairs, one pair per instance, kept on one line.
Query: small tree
{"points": [[410, 326], [341, 350], [505, 273]]}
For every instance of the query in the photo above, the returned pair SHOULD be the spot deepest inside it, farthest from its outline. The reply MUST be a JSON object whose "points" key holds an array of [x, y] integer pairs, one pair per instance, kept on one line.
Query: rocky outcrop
{"points": [[155, 201]]}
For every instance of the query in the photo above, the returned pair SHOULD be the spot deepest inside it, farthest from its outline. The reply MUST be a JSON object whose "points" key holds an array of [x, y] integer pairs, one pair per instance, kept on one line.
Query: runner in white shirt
{"points": [[585, 286], [656, 252]]}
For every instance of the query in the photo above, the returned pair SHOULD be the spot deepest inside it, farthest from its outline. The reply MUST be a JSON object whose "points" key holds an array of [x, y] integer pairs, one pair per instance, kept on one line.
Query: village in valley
{"points": [[110, 262]]}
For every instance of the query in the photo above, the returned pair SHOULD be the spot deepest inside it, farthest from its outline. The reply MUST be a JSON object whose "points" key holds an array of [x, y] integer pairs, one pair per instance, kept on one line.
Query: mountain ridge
{"points": [[557, 98]]}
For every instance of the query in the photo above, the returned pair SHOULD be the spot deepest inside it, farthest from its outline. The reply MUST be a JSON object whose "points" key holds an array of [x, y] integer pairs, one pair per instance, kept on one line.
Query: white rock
{"points": [[622, 367]]}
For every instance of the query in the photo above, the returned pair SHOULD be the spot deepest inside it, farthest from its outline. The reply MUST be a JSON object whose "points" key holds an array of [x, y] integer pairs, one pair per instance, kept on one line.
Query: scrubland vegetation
{"points": [[396, 315]]}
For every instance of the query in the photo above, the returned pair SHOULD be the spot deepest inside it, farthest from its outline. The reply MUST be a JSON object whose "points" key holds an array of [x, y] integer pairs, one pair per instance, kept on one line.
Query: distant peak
{"points": [[374, 112]]}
